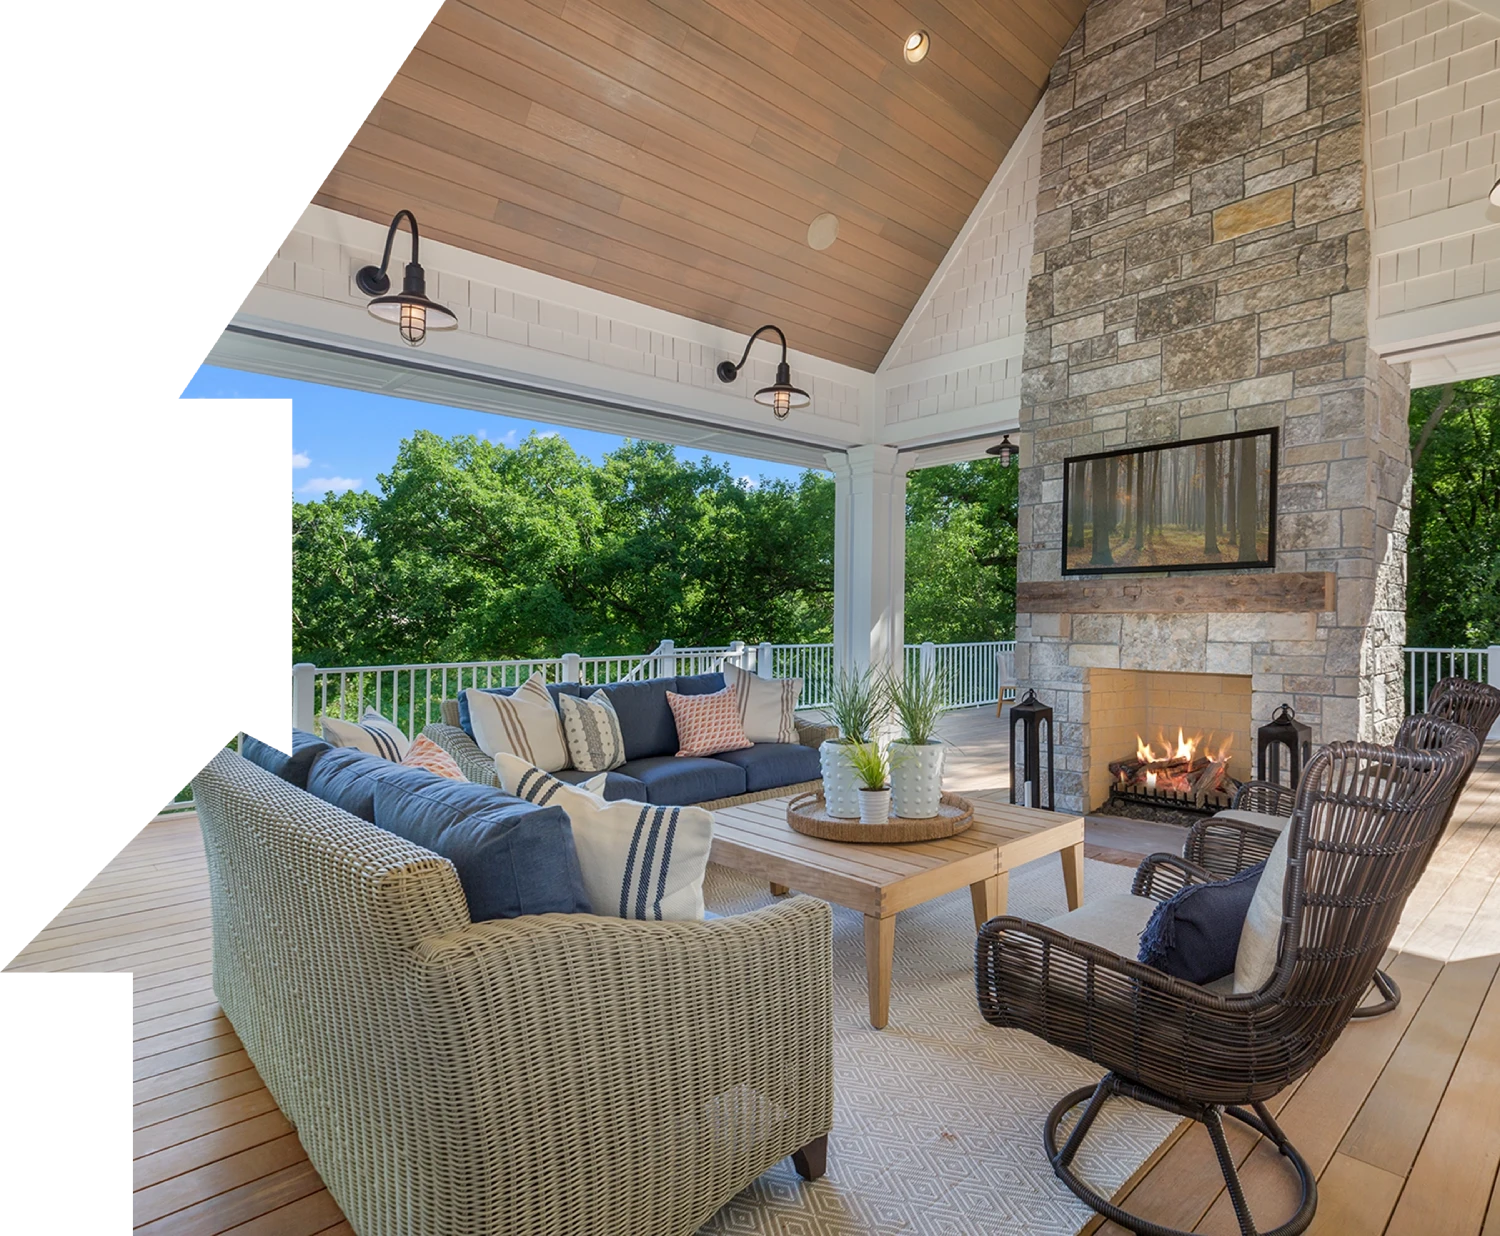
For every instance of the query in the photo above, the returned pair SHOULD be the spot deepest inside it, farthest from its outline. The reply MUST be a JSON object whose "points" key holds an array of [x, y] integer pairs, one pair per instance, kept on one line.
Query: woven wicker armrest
{"points": [[1224, 848], [815, 733], [1267, 797], [1162, 875], [472, 762], [1110, 1009], [676, 1061]]}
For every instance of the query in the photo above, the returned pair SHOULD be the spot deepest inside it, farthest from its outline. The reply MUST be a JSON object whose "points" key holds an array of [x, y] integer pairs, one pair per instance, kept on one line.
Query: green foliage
{"points": [[869, 764], [917, 700], [474, 551], [1453, 590], [961, 553], [858, 703]]}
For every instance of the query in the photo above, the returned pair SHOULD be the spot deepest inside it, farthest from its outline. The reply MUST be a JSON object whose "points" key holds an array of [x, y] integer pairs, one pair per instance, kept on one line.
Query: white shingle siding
{"points": [[1433, 77]]}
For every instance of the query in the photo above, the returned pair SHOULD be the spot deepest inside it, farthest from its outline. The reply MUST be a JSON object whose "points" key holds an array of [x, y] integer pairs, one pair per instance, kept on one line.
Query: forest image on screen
{"points": [[1195, 504]]}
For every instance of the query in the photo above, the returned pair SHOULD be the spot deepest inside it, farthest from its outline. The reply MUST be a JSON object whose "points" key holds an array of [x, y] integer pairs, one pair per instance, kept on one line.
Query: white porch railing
{"points": [[1426, 667], [412, 695]]}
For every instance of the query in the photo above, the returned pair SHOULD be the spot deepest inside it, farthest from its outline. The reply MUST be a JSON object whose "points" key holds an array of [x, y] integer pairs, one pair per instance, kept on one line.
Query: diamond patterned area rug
{"points": [[938, 1117]]}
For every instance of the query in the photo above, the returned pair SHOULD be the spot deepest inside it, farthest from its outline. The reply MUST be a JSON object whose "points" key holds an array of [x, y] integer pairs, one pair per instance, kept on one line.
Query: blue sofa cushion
{"points": [[700, 684], [771, 765], [290, 768], [616, 784], [682, 781], [645, 718], [1195, 934], [553, 688], [346, 777], [512, 857]]}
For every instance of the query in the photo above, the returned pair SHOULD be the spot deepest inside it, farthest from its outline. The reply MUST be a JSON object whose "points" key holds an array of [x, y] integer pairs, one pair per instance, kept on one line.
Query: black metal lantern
{"points": [[1026, 757], [781, 397], [1282, 730], [410, 310], [1005, 449]]}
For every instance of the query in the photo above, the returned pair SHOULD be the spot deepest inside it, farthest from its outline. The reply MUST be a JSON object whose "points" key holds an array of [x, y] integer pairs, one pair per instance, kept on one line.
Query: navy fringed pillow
{"points": [[1195, 934]]}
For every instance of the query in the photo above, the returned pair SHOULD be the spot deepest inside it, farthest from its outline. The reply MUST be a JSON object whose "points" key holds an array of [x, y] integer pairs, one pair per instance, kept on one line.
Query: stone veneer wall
{"points": [[1201, 266]]}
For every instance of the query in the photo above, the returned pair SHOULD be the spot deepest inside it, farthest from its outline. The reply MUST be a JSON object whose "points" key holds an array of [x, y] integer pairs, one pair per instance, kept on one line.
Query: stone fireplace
{"points": [[1201, 267]]}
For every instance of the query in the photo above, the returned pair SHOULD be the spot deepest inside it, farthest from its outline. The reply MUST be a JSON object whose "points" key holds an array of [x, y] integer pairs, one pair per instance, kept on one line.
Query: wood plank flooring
{"points": [[1401, 1120]]}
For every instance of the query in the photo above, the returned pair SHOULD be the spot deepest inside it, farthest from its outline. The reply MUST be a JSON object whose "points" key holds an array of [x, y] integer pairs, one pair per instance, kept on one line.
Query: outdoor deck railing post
{"points": [[572, 666], [304, 684], [927, 661], [765, 657], [666, 660], [1494, 680]]}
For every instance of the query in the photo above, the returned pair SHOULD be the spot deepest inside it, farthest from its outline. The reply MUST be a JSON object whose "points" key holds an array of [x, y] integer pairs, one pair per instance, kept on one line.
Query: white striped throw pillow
{"points": [[768, 706], [523, 723], [374, 734], [592, 729], [638, 861]]}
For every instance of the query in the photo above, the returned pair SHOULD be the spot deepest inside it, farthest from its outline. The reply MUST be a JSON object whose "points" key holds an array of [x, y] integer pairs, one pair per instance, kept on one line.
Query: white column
{"points": [[869, 557], [304, 685]]}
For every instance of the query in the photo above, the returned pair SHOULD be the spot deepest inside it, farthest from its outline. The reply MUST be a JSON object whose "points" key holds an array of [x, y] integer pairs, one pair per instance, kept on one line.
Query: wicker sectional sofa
{"points": [[652, 773], [547, 1075]]}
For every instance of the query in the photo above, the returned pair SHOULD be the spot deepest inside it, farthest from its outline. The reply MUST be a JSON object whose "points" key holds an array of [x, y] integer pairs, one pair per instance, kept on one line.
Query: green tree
{"points": [[1453, 587], [961, 553]]}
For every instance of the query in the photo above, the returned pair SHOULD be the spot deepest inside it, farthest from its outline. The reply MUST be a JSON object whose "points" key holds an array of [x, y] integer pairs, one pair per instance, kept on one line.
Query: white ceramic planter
{"points": [[874, 806], [916, 779], [840, 784]]}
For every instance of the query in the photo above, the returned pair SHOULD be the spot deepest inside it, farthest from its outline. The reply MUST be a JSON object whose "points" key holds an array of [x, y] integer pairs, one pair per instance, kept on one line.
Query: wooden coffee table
{"points": [[879, 880]]}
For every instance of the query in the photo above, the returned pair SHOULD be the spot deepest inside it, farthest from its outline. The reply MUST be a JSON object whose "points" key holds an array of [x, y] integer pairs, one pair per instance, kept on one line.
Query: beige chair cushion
{"points": [[1277, 823], [1256, 960], [1113, 922]]}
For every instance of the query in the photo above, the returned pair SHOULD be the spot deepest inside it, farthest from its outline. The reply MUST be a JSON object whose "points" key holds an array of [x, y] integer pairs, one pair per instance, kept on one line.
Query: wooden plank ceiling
{"points": [[675, 151]]}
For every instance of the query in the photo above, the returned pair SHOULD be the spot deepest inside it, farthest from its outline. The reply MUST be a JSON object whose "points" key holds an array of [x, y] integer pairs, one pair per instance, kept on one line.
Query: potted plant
{"points": [[869, 763], [916, 757], [856, 703]]}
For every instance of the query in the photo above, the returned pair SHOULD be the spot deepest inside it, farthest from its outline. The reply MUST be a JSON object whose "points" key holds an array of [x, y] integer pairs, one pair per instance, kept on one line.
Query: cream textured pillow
{"points": [[768, 706], [638, 861], [523, 723], [592, 729], [1256, 960], [374, 734], [708, 724]]}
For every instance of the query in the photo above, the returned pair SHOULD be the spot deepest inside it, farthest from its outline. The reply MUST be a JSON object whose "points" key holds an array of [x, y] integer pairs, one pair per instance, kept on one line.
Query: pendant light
{"points": [[1005, 449]]}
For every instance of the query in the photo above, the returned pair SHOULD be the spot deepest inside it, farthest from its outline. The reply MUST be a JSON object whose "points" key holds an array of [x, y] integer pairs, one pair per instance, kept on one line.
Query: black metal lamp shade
{"points": [[1282, 730], [410, 311], [781, 396], [1031, 715], [1005, 449]]}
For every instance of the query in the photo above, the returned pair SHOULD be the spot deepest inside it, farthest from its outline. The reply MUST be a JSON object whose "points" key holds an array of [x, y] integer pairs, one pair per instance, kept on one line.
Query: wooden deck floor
{"points": [[1401, 1120]]}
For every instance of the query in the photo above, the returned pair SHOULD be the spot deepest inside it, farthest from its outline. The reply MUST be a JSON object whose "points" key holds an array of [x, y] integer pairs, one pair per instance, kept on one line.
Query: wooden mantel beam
{"points": [[1281, 592]]}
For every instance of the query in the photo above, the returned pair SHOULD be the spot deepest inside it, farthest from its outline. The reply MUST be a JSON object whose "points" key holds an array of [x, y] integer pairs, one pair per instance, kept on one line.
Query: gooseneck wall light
{"points": [[1004, 449], [781, 397], [410, 310]]}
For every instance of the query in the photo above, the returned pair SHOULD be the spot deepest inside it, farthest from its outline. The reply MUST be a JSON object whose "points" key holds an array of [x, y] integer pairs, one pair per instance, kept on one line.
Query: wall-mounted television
{"points": [[1201, 505]]}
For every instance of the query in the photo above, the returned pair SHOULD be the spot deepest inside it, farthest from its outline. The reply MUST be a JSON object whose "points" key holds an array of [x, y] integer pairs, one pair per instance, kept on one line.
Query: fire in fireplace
{"points": [[1191, 774]]}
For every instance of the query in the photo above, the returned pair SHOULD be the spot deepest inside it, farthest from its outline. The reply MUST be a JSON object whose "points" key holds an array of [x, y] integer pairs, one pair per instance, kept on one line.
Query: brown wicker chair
{"points": [[1224, 846], [1360, 835]]}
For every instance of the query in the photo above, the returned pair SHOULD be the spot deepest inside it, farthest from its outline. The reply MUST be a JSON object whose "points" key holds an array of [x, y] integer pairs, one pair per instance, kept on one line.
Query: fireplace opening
{"points": [[1188, 775]]}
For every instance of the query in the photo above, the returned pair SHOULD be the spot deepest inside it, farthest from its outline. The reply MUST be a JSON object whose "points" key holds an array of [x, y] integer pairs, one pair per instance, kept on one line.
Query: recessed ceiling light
{"points": [[823, 231], [917, 45]]}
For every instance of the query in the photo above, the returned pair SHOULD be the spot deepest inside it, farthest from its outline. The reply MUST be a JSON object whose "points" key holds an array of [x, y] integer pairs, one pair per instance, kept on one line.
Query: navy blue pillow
{"points": [[346, 777], [553, 688], [290, 768], [700, 684], [1195, 934], [512, 857], [645, 716]]}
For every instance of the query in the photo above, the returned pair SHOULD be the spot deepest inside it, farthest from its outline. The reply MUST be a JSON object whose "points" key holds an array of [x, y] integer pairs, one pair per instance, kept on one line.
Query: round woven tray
{"points": [[806, 814]]}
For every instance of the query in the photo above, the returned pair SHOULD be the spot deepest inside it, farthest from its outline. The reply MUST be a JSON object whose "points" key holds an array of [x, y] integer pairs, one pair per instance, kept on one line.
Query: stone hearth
{"points": [[1201, 267]]}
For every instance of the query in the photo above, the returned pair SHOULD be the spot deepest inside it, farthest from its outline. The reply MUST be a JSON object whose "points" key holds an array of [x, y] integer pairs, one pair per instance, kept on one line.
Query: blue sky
{"points": [[343, 439]]}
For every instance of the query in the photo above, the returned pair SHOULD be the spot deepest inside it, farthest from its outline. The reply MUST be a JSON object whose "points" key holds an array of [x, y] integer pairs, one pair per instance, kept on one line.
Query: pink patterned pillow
{"points": [[708, 724], [424, 753]]}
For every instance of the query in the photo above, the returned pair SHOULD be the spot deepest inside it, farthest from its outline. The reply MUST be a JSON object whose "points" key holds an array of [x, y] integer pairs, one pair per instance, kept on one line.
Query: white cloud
{"points": [[547, 433], [749, 482], [322, 484], [299, 460]]}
